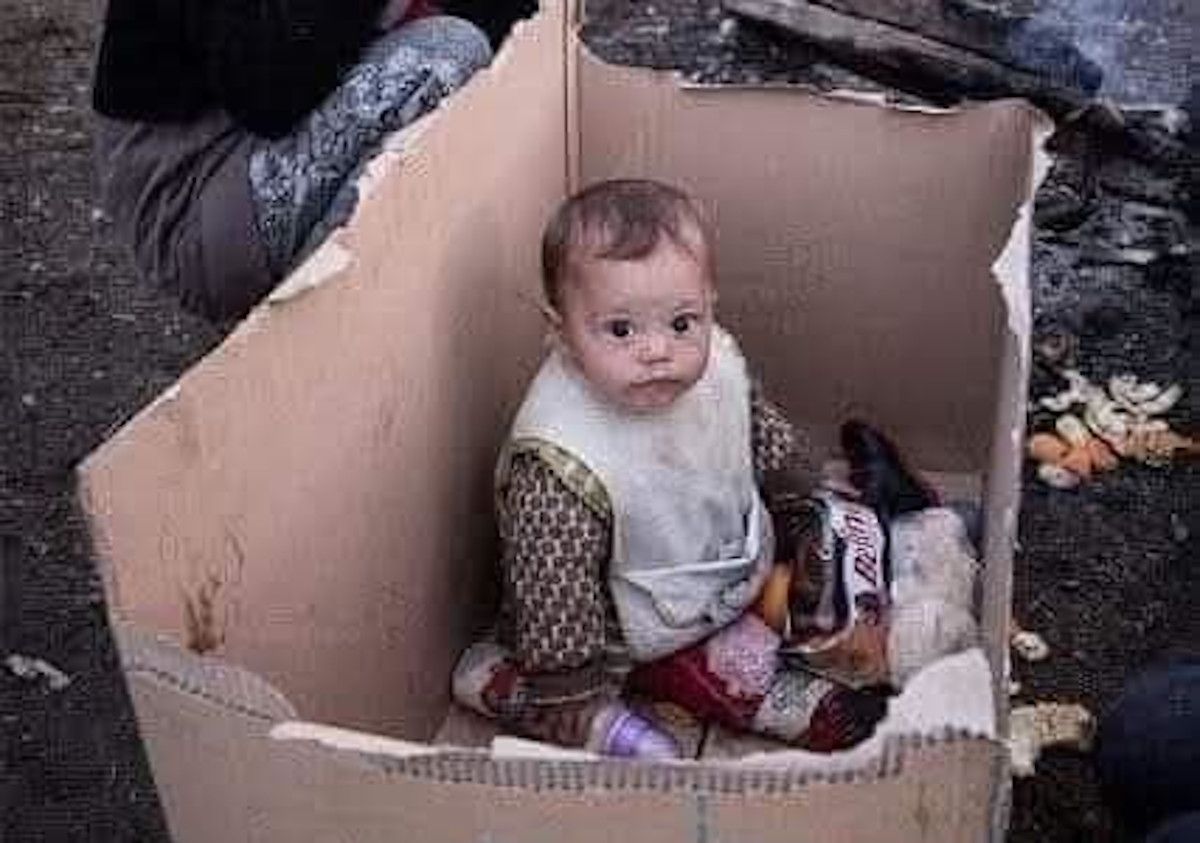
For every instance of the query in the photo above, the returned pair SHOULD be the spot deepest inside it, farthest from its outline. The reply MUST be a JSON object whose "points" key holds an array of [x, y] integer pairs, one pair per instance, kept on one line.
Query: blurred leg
{"points": [[1148, 747], [303, 184], [1182, 829]]}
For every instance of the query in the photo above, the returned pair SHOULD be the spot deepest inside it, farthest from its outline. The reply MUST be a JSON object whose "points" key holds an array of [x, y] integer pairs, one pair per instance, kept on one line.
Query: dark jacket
{"points": [[264, 62]]}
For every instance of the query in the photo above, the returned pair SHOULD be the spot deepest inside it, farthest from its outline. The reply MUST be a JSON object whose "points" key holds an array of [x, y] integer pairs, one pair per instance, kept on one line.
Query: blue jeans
{"points": [[1148, 753]]}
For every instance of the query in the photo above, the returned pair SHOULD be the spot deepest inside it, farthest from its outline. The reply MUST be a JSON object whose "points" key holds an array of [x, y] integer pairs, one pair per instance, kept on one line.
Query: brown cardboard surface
{"points": [[322, 478], [1003, 492], [226, 771], [855, 242], [322, 481], [945, 795], [265, 789]]}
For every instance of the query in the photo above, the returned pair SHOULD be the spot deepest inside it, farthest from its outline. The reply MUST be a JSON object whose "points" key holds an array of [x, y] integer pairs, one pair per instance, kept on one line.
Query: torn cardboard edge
{"points": [[1011, 272], [519, 763], [955, 686], [877, 98], [233, 688], [947, 701], [1012, 266]]}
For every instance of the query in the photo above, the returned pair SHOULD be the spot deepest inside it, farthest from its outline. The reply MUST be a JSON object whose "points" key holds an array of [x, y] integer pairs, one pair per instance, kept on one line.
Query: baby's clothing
{"points": [[562, 650], [738, 679], [691, 542]]}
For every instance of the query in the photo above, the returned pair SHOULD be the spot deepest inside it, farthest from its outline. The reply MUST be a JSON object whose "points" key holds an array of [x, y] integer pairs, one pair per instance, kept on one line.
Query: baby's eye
{"points": [[619, 328], [683, 323]]}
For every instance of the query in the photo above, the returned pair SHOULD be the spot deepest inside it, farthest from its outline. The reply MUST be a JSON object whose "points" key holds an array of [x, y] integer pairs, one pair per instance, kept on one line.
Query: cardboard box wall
{"points": [[313, 498]]}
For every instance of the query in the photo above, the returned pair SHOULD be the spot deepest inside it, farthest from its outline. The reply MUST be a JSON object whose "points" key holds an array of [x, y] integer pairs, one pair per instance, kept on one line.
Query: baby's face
{"points": [[639, 330]]}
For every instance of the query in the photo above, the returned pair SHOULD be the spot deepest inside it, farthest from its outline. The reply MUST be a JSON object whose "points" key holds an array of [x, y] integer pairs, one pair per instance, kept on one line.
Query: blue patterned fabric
{"points": [[303, 184]]}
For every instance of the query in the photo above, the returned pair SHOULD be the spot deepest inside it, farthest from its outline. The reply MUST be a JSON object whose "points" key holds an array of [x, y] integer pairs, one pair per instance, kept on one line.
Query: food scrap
{"points": [[26, 667], [1030, 646], [1096, 427], [1035, 727]]}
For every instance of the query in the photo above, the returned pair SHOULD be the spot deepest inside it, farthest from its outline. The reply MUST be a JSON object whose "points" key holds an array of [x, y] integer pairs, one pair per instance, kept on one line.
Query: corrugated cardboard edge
{"points": [[874, 759], [325, 782], [539, 772], [348, 740], [154, 662], [523, 765], [1011, 270], [159, 660]]}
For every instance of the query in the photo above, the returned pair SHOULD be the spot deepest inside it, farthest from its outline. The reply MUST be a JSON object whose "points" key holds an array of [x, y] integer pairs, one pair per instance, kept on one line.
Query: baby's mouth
{"points": [[656, 392], [656, 383]]}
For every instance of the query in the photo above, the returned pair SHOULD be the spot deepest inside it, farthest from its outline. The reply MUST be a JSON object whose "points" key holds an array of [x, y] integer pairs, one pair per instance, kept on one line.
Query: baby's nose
{"points": [[655, 347]]}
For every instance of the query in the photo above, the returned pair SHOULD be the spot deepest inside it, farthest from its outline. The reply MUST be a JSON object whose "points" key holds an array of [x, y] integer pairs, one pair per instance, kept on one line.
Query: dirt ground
{"points": [[1106, 573]]}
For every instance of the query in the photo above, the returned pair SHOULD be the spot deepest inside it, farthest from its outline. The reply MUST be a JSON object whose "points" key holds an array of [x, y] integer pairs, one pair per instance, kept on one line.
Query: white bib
{"points": [[692, 541]]}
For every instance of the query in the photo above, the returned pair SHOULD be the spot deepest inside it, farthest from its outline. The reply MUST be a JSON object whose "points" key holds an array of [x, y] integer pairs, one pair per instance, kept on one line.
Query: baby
{"points": [[634, 498]]}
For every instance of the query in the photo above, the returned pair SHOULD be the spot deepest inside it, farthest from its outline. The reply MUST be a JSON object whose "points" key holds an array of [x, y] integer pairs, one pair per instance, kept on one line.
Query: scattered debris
{"points": [[1179, 529], [1057, 347], [1143, 399], [1030, 646], [1115, 422], [1060, 207], [27, 667], [1071, 454], [1014, 687], [1035, 727], [1057, 476], [1158, 445], [1136, 181], [1100, 252]]}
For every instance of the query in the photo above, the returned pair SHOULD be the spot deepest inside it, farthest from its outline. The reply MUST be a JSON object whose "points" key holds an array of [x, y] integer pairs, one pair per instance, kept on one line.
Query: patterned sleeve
{"points": [[785, 464], [776, 444], [555, 551]]}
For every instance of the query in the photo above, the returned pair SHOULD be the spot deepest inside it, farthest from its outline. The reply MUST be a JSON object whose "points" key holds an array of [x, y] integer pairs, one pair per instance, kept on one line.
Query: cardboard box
{"points": [[312, 503]]}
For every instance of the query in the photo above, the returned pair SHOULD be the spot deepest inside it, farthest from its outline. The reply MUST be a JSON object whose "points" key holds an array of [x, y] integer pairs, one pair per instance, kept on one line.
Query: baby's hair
{"points": [[620, 219]]}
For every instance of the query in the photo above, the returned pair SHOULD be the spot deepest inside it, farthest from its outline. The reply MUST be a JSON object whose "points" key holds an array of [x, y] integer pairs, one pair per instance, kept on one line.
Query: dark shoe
{"points": [[880, 475]]}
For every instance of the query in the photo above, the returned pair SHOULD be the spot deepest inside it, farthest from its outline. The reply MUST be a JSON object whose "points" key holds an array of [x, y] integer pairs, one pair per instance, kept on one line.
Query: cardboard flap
{"points": [[317, 490], [855, 241], [316, 786]]}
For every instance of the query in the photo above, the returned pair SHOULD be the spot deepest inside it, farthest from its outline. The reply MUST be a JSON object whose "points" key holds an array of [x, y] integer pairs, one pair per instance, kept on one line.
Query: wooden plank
{"points": [[909, 60]]}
